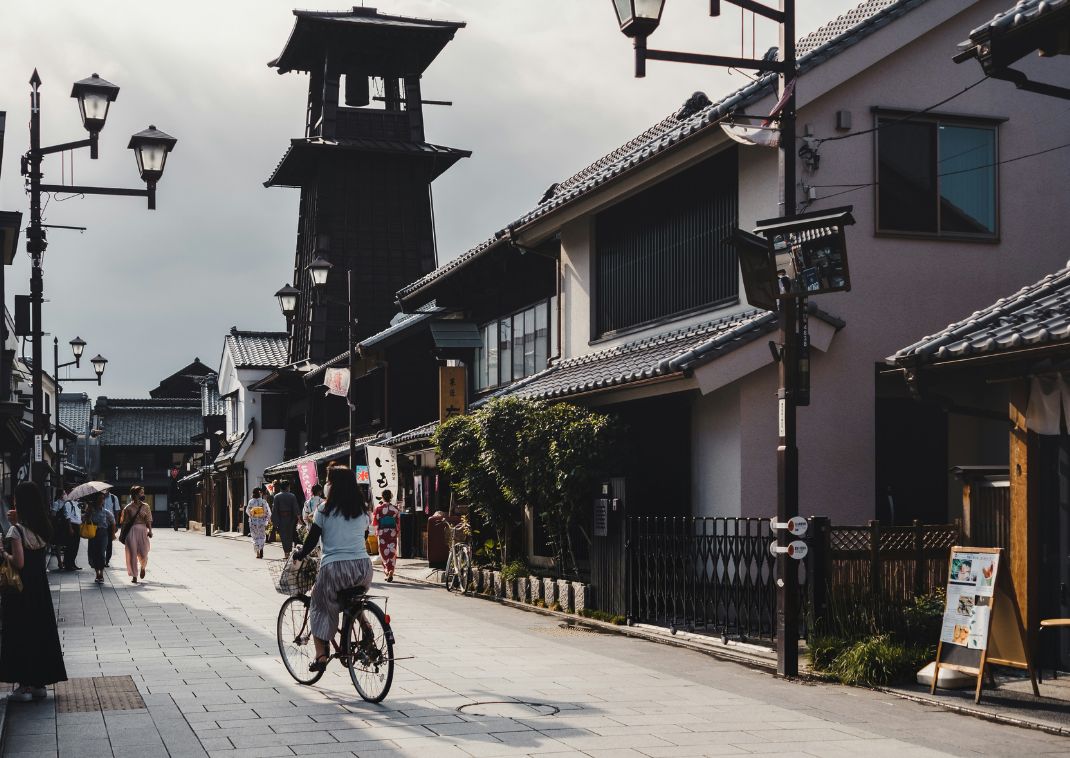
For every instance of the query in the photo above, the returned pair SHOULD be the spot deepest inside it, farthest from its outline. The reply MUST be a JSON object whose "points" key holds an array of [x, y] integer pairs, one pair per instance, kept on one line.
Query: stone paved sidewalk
{"points": [[198, 640]]}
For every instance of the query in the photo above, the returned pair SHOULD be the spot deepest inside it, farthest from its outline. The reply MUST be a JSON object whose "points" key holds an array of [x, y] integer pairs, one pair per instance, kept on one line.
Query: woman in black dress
{"points": [[30, 651]]}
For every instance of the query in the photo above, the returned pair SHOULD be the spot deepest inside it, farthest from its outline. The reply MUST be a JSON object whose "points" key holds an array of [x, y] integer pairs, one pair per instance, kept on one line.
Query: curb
{"points": [[966, 710]]}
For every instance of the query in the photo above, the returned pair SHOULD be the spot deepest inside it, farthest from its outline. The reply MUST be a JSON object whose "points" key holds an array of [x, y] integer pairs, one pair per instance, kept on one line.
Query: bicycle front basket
{"points": [[294, 578]]}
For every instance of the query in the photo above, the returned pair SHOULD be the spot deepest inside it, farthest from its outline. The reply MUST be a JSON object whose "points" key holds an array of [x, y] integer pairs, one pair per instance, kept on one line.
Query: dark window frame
{"points": [[936, 118], [479, 363], [726, 161]]}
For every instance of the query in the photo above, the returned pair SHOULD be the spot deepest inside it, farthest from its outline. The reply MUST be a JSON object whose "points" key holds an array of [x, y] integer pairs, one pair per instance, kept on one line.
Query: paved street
{"points": [[198, 640]]}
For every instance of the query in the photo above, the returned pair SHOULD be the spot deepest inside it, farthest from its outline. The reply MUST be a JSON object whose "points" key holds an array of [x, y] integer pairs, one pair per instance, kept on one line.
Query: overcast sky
{"points": [[540, 89]]}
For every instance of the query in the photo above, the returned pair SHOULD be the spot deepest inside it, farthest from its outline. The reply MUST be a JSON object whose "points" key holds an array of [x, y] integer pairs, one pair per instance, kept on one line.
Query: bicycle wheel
{"points": [[369, 646], [295, 640], [452, 580], [464, 569]]}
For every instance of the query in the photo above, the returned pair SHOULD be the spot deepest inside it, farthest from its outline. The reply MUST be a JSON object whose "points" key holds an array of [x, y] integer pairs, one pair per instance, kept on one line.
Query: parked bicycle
{"points": [[364, 643], [459, 562]]}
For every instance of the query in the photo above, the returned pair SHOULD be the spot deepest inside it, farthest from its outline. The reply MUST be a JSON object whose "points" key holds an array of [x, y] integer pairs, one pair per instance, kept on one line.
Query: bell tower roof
{"points": [[362, 39]]}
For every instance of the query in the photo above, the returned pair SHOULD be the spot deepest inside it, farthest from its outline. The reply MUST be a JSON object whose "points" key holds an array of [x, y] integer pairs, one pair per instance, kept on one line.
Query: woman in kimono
{"points": [[259, 514], [387, 527]]}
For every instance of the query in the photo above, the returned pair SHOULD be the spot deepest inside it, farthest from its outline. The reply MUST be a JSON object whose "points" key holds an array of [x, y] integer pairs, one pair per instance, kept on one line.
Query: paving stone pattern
{"points": [[198, 640]]}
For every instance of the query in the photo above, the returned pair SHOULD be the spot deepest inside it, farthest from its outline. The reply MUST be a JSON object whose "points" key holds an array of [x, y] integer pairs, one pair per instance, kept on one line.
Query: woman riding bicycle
{"points": [[342, 521]]}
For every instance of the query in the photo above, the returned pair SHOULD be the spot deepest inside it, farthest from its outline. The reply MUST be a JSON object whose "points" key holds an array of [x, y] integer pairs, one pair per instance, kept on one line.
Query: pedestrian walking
{"points": [[259, 513], [30, 651], [387, 522], [285, 512], [102, 521], [137, 531], [72, 511], [308, 514], [112, 504], [342, 521]]}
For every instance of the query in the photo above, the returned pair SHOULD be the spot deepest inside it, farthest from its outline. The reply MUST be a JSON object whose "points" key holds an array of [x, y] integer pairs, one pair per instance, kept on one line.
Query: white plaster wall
{"points": [[576, 244], [715, 453]]}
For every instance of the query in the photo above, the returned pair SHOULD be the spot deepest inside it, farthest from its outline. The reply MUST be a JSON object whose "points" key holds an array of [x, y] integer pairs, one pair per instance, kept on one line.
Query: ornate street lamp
{"points": [[638, 18], [99, 363], [288, 300], [151, 147], [77, 348], [318, 270], [94, 96]]}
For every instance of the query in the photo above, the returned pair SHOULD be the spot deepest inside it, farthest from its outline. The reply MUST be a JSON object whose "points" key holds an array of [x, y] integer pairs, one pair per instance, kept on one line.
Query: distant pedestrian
{"points": [[72, 511], [30, 651], [387, 522], [100, 516], [112, 504], [308, 515], [259, 513], [138, 534], [285, 512]]}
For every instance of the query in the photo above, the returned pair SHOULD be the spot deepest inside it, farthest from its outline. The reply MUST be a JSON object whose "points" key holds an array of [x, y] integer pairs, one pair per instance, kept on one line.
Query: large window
{"points": [[517, 345], [936, 177], [665, 252]]}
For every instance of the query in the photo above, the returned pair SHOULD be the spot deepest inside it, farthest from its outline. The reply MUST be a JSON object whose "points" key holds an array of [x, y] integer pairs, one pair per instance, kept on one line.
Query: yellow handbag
{"points": [[371, 542], [88, 531], [10, 581]]}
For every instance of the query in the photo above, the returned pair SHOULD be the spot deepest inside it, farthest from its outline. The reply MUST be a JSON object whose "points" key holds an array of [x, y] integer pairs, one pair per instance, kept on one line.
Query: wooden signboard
{"points": [[451, 392], [982, 624]]}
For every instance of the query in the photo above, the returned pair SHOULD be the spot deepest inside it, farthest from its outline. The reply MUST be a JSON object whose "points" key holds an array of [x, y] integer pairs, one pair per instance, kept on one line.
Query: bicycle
{"points": [[364, 643], [459, 563]]}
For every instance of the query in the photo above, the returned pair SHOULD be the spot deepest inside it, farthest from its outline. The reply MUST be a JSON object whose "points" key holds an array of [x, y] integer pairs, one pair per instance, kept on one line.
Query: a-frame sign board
{"points": [[982, 624]]}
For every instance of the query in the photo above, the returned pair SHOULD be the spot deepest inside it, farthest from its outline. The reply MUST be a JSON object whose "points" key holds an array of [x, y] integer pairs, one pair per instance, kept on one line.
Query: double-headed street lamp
{"points": [[638, 19], [319, 271], [151, 147], [99, 363]]}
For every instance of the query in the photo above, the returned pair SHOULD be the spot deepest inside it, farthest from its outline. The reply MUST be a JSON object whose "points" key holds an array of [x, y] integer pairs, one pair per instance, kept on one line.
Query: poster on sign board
{"points": [[383, 470], [309, 476], [970, 588], [363, 477]]}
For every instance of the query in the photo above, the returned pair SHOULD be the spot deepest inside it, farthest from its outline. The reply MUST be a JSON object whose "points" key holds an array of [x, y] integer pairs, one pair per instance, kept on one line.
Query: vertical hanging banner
{"points": [[383, 470], [336, 380], [309, 476], [451, 391]]}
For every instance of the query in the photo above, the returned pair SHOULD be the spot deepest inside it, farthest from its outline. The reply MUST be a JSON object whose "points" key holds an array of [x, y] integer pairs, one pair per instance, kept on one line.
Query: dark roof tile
{"points": [[149, 423], [257, 349]]}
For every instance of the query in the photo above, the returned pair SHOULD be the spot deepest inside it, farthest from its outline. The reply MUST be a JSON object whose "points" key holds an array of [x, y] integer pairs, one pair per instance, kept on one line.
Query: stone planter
{"points": [[534, 590], [549, 590], [523, 589], [564, 595], [510, 588], [581, 597]]}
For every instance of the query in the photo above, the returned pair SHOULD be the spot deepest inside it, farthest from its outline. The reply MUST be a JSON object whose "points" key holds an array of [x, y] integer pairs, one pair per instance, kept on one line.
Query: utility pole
{"points": [[36, 245]]}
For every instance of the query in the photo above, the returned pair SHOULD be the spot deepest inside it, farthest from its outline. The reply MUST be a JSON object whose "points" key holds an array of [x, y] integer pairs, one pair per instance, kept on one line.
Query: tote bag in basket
{"points": [[295, 577]]}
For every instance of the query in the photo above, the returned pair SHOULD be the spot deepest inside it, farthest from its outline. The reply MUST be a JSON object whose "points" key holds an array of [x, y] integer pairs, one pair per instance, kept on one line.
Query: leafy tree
{"points": [[460, 446]]}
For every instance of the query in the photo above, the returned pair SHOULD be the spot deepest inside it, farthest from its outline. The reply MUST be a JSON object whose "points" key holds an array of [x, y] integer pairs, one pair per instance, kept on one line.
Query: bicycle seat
{"points": [[350, 594]]}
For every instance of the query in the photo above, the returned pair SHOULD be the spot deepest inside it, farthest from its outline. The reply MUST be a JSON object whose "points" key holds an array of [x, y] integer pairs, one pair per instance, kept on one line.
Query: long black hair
{"points": [[344, 495], [30, 506]]}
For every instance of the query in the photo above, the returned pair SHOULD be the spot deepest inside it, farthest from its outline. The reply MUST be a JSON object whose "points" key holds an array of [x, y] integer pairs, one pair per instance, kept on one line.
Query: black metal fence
{"points": [[710, 574], [716, 575]]}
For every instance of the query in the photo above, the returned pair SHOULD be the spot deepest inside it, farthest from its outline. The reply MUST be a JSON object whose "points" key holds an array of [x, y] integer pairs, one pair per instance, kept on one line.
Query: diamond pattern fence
{"points": [[717, 575]]}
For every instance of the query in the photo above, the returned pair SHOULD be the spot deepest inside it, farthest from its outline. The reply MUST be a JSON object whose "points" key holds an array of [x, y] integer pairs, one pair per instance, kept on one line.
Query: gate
{"points": [[714, 574]]}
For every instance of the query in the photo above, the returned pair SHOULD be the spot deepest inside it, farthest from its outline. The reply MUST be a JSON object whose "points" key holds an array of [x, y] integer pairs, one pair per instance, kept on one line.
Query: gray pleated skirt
{"points": [[332, 578]]}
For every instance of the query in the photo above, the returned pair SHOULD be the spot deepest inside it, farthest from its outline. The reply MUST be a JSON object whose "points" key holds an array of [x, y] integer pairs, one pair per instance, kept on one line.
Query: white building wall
{"points": [[715, 453]]}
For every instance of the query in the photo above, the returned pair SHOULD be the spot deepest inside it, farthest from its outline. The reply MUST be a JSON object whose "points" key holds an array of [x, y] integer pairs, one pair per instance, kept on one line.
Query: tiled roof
{"points": [[663, 355], [257, 349], [150, 423], [813, 49], [75, 410], [1018, 15], [336, 451], [418, 434], [211, 403], [1033, 316]]}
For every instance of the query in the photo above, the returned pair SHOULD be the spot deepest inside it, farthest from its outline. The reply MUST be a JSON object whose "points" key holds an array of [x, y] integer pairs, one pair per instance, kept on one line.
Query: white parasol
{"points": [[89, 488]]}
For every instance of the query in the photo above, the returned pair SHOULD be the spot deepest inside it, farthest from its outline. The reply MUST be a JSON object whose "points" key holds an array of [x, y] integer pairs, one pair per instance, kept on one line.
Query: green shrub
{"points": [[514, 570], [922, 617], [555, 606], [824, 650], [878, 661]]}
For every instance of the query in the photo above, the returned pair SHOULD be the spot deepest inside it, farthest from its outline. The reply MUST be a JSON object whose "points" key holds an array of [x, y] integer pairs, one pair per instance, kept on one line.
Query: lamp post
{"points": [[319, 271], [77, 348], [94, 96], [638, 19]]}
